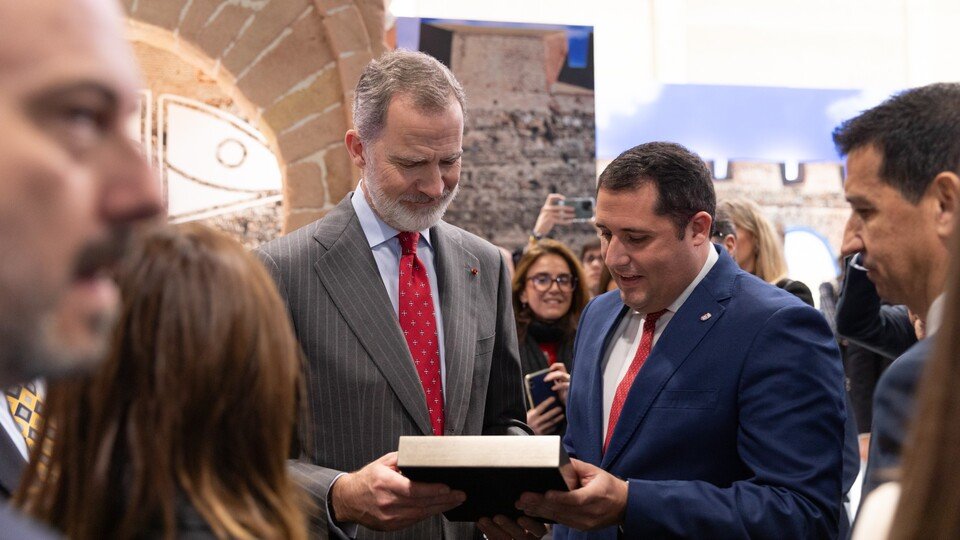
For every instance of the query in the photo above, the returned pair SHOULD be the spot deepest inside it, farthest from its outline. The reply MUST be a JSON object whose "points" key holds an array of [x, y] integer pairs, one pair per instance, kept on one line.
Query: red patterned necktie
{"points": [[646, 343], [419, 326]]}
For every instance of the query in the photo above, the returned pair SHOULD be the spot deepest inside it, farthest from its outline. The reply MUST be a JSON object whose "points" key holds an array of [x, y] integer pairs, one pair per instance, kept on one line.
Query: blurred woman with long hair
{"points": [[548, 296], [755, 245], [185, 429]]}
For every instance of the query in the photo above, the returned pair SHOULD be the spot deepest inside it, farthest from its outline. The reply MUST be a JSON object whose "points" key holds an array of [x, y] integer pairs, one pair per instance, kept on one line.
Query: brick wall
{"points": [[526, 133]]}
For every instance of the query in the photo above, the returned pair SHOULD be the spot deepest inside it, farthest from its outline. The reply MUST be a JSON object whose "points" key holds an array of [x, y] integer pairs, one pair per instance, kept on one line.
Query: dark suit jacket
{"points": [[862, 318], [863, 368], [892, 409], [733, 428], [363, 390], [12, 466], [15, 525]]}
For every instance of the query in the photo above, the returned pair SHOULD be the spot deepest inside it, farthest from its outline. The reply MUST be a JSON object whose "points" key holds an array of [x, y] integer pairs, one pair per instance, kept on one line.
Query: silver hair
{"points": [[416, 75]]}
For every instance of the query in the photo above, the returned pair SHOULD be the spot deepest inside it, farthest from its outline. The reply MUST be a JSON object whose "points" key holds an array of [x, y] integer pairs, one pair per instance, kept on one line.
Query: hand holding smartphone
{"points": [[539, 389], [583, 207]]}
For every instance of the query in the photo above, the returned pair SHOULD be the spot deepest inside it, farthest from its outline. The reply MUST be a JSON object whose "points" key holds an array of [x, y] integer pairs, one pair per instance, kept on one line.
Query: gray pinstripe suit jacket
{"points": [[363, 389]]}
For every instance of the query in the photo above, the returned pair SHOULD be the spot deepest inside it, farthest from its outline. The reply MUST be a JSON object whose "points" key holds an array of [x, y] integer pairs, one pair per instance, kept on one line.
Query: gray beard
{"points": [[401, 218], [29, 351]]}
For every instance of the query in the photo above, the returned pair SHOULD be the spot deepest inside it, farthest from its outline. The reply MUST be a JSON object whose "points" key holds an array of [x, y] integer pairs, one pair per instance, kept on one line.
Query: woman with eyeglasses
{"points": [[547, 299]]}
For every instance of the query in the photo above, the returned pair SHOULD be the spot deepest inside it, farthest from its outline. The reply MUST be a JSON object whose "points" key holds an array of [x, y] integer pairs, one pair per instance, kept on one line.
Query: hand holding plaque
{"points": [[492, 471], [380, 498], [601, 502]]}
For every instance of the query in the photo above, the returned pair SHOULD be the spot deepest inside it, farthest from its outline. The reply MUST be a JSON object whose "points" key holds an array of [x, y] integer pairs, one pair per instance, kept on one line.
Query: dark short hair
{"points": [[723, 225], [684, 183], [917, 133], [591, 245]]}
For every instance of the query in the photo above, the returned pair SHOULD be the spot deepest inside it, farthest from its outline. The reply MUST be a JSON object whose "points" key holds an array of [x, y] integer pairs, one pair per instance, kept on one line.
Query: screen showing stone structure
{"points": [[530, 122]]}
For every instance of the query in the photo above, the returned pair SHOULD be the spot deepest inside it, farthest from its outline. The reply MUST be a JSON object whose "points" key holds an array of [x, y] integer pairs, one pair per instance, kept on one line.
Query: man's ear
{"points": [[730, 244], [355, 148], [946, 191], [699, 227]]}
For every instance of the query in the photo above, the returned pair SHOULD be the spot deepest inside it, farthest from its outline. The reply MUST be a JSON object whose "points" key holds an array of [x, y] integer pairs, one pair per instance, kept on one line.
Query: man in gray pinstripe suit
{"points": [[339, 276]]}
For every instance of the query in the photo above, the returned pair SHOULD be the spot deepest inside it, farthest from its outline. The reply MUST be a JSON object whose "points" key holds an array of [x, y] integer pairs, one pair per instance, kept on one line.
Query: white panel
{"points": [[796, 43], [809, 259], [213, 162]]}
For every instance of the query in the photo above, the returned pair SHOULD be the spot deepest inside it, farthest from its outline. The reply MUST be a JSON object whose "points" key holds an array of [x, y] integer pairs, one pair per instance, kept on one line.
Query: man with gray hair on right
{"points": [[406, 321]]}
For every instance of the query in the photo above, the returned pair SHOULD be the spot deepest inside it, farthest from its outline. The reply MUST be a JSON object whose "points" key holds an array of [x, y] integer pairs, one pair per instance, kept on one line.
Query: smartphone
{"points": [[582, 207], [538, 390]]}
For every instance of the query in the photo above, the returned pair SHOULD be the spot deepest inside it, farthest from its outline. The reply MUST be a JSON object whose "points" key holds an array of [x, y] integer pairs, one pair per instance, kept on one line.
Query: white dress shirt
{"points": [[385, 246], [624, 347]]}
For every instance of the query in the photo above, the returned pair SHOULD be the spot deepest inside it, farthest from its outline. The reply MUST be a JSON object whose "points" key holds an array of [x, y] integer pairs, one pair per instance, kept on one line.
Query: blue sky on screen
{"points": [[719, 122], [735, 122]]}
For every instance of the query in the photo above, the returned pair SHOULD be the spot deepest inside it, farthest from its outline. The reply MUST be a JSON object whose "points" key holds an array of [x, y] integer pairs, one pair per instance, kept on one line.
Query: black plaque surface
{"points": [[493, 471]]}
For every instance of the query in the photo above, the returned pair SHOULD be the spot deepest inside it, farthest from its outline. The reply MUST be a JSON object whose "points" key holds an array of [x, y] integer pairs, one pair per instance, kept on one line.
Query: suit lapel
{"points": [[683, 333], [458, 288], [347, 267], [599, 341]]}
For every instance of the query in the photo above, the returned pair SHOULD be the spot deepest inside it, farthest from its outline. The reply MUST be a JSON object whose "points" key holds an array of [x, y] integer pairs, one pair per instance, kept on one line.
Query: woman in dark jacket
{"points": [[548, 297]]}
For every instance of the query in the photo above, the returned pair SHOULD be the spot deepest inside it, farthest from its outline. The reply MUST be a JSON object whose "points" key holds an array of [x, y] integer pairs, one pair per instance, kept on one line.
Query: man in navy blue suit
{"points": [[705, 403], [902, 183]]}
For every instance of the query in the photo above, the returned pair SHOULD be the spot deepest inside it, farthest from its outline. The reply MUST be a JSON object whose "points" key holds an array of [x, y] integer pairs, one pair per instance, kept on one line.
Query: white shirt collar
{"points": [[374, 228], [934, 315], [712, 259]]}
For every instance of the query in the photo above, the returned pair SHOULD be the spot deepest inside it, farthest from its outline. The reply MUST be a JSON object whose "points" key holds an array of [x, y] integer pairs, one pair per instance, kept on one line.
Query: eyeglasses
{"points": [[543, 282], [723, 228], [592, 258]]}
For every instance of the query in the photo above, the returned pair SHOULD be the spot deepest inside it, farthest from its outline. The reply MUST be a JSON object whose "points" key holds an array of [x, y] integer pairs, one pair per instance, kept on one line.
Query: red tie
{"points": [[646, 343], [419, 326]]}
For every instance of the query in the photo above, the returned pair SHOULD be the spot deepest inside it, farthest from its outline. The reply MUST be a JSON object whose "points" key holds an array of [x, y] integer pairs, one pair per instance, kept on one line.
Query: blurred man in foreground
{"points": [[71, 185]]}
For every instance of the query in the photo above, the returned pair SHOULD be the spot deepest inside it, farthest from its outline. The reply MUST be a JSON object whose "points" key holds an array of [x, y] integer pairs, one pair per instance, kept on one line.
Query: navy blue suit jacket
{"points": [[733, 428], [893, 405]]}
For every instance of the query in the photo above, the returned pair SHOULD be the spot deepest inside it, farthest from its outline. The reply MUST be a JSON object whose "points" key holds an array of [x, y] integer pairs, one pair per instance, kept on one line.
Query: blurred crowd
{"points": [[163, 382]]}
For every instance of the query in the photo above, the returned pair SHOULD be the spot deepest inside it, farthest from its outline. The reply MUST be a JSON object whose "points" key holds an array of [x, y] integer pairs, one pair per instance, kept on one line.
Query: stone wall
{"points": [[290, 66], [526, 133], [815, 200]]}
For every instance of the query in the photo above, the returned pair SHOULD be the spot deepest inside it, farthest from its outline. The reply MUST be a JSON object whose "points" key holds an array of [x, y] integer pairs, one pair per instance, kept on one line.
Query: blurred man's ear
{"points": [[730, 244], [946, 189]]}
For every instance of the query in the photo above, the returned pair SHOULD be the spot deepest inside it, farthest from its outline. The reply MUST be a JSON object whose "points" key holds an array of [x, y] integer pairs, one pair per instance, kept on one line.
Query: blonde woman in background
{"points": [[753, 242]]}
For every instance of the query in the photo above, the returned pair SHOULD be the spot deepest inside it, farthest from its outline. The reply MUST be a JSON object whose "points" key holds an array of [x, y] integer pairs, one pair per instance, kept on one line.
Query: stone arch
{"points": [[292, 66]]}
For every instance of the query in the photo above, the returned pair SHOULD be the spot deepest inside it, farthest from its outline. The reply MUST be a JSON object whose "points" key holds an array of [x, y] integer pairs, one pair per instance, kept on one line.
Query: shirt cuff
{"points": [[344, 531]]}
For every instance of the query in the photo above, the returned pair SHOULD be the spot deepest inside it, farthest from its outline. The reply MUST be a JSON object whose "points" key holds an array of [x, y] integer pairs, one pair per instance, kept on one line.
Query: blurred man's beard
{"points": [[60, 332], [39, 348], [394, 213]]}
